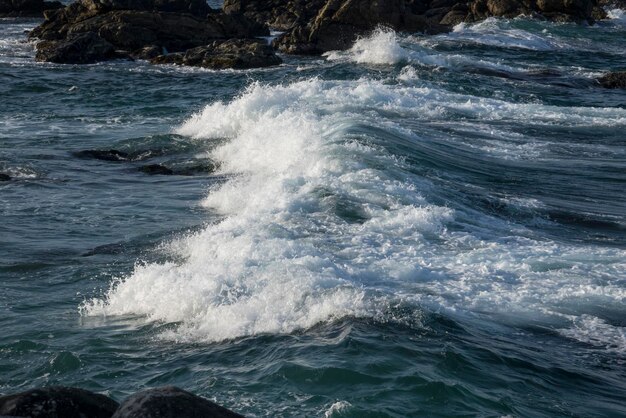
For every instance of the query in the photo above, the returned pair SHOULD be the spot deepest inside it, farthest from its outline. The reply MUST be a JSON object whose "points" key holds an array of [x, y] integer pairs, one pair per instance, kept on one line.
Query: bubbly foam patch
{"points": [[321, 221]]}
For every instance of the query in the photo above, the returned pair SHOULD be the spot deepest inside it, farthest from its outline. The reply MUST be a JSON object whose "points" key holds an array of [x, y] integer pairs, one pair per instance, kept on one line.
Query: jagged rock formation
{"points": [[316, 26]]}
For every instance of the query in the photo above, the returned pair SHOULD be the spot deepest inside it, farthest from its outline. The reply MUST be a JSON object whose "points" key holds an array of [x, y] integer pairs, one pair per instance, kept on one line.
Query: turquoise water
{"points": [[421, 226]]}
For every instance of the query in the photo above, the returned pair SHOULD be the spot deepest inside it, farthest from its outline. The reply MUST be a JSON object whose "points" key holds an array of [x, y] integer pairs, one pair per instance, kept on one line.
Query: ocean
{"points": [[420, 226]]}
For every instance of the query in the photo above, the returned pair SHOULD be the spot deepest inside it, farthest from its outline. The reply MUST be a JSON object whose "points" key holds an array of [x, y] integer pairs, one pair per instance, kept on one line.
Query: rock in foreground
{"points": [[233, 53], [64, 402], [170, 402], [57, 402]]}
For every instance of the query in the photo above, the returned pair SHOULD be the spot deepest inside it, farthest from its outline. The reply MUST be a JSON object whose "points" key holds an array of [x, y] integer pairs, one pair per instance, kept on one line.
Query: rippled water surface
{"points": [[420, 226]]}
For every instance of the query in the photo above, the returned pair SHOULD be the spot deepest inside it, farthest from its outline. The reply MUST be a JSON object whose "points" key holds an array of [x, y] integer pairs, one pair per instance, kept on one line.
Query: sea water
{"points": [[418, 226]]}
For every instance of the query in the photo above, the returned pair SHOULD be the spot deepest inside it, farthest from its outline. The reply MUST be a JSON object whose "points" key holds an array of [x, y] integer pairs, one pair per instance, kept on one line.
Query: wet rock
{"points": [[616, 80], [136, 27], [156, 169], [170, 402], [83, 48], [340, 22], [573, 9], [233, 53], [148, 52], [105, 155], [4, 177], [277, 14], [26, 8], [57, 402]]}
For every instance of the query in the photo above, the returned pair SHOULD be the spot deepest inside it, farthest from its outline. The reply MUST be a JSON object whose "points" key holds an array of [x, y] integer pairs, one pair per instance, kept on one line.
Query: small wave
{"points": [[320, 222], [381, 47]]}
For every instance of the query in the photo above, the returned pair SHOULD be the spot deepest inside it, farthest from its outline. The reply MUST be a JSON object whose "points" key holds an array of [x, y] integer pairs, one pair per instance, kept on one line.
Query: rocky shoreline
{"points": [[189, 32], [66, 402]]}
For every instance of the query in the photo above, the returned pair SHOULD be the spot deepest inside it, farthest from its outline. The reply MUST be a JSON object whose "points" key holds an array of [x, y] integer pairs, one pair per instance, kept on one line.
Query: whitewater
{"points": [[418, 226]]}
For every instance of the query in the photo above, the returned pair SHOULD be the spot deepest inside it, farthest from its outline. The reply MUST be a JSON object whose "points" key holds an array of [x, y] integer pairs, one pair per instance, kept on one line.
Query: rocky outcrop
{"points": [[616, 80], [277, 14], [81, 48], [57, 402], [26, 8], [317, 26], [233, 53], [4, 177], [340, 22], [170, 402], [96, 30]]}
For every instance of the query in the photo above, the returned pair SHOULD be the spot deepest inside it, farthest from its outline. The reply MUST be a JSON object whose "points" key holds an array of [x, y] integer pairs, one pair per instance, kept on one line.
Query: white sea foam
{"points": [[287, 255], [597, 332], [498, 32], [381, 47], [337, 409], [617, 16]]}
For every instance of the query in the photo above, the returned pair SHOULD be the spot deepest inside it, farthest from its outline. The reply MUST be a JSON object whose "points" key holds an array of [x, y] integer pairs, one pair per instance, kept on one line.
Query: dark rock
{"points": [[576, 9], [156, 169], [170, 402], [616, 80], [453, 17], [26, 8], [105, 155], [340, 22], [4, 177], [82, 48], [135, 28], [277, 14], [57, 402], [148, 52], [233, 53]]}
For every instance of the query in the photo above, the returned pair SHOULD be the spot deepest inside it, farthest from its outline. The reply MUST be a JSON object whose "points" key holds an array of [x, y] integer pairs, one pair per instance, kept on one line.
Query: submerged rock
{"points": [[57, 402], [170, 402], [105, 155], [233, 53], [4, 177], [615, 80], [156, 169]]}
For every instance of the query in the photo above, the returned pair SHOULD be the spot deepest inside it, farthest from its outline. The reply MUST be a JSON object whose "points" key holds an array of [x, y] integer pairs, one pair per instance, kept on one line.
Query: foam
{"points": [[594, 331], [381, 47], [500, 33], [338, 408], [321, 222], [617, 16]]}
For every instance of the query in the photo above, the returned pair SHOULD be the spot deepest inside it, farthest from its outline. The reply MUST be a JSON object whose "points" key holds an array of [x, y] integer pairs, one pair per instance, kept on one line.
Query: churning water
{"points": [[419, 226]]}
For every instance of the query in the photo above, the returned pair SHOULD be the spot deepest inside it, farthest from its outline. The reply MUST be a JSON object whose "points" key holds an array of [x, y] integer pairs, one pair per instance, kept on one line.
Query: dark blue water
{"points": [[421, 226]]}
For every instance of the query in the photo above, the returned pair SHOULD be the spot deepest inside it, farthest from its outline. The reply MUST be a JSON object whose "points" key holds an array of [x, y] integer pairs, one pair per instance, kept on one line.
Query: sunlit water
{"points": [[420, 226]]}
